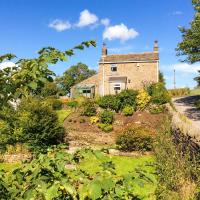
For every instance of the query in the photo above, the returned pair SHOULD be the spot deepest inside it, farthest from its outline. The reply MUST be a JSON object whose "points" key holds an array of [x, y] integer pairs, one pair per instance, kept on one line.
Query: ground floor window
{"points": [[86, 91], [117, 88]]}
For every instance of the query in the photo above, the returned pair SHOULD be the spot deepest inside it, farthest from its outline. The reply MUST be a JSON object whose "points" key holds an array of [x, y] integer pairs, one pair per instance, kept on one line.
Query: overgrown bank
{"points": [[177, 166]]}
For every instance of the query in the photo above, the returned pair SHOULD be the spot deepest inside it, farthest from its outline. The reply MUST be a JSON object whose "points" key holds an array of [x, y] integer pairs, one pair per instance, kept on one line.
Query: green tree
{"points": [[29, 76], [189, 47], [161, 78], [75, 74], [197, 79]]}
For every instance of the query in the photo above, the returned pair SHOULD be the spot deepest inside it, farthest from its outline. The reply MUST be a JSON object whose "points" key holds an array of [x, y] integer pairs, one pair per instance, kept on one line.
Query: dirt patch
{"points": [[81, 133]]}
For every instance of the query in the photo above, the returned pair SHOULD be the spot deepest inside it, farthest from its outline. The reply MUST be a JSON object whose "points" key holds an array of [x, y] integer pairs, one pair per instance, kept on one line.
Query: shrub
{"points": [[142, 99], [72, 104], [39, 124], [197, 104], [107, 117], [89, 108], [155, 109], [109, 102], [55, 104], [7, 127], [179, 92], [127, 97], [105, 127], [5, 134], [135, 139], [50, 89], [81, 100], [94, 120], [128, 110], [159, 94]]}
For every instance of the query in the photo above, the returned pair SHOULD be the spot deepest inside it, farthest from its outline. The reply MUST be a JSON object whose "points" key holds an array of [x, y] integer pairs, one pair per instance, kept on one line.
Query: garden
{"points": [[111, 147]]}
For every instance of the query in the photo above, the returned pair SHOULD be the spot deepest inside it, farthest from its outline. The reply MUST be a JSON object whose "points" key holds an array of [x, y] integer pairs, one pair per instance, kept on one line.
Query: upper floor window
{"points": [[113, 68]]}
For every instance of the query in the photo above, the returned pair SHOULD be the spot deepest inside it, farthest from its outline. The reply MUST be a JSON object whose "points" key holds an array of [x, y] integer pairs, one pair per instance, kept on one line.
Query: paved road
{"points": [[186, 106]]}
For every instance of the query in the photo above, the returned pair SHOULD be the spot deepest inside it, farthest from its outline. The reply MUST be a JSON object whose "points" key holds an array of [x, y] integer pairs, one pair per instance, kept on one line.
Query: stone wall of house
{"points": [[138, 74], [92, 80]]}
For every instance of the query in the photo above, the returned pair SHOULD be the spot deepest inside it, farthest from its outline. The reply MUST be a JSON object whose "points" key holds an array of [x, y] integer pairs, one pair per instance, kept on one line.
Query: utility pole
{"points": [[174, 79]]}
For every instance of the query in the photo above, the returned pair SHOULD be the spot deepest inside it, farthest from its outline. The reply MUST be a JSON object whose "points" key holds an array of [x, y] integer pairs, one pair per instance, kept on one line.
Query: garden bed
{"points": [[82, 133]]}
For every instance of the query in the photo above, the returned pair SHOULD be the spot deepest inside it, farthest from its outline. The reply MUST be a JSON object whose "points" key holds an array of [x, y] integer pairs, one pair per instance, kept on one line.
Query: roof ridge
{"points": [[133, 53]]}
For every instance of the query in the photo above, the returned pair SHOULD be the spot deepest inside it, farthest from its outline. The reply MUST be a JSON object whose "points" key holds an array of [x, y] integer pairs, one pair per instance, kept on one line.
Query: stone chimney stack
{"points": [[104, 50], [156, 48]]}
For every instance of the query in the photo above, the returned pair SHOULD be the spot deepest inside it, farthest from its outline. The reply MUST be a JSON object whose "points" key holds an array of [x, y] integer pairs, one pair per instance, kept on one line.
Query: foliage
{"points": [[119, 101], [177, 172], [57, 176], [37, 125], [179, 92], [106, 127], [7, 127], [109, 102], [72, 104], [159, 94], [106, 117], [127, 97], [89, 108], [156, 109], [75, 74], [138, 138], [128, 110], [142, 99], [94, 119], [81, 100], [197, 104], [57, 104], [197, 79], [29, 76], [51, 89], [54, 103], [189, 46], [161, 78]]}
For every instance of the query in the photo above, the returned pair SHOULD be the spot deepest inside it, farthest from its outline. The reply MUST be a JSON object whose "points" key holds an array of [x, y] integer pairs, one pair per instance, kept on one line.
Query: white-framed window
{"points": [[117, 87], [113, 68]]}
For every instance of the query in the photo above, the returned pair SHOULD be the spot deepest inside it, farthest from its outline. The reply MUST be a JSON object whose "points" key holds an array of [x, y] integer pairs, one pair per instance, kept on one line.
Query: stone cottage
{"points": [[119, 72]]}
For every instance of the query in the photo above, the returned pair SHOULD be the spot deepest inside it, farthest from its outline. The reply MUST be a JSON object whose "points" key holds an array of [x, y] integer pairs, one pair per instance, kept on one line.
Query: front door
{"points": [[116, 88]]}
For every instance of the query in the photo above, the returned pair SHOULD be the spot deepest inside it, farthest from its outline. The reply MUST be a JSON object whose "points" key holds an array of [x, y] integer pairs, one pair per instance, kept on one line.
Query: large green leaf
{"points": [[32, 85]]}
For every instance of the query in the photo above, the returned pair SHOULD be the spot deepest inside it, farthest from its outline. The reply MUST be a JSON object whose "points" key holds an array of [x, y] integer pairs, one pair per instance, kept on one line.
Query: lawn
{"points": [[63, 114], [92, 163], [123, 165]]}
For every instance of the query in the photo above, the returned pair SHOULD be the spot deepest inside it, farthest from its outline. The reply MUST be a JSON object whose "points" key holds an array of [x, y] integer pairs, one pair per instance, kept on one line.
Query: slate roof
{"points": [[147, 56]]}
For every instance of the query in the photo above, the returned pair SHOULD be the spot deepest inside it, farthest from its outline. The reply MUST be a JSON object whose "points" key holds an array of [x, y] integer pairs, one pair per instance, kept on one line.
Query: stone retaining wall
{"points": [[184, 126]]}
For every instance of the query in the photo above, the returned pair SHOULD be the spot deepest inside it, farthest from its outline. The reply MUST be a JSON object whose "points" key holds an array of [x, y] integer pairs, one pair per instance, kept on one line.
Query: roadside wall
{"points": [[182, 125]]}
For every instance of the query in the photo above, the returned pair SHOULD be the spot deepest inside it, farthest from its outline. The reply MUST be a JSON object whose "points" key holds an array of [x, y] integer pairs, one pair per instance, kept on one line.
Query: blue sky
{"points": [[126, 26]]}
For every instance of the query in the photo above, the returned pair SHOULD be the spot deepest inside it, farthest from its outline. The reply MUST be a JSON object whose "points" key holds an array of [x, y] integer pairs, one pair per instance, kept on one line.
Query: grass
{"points": [[195, 91], [123, 165], [63, 114]]}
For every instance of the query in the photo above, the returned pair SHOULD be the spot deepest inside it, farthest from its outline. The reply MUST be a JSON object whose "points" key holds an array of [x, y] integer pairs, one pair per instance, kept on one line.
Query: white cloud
{"points": [[86, 18], [59, 25], [6, 64], [105, 22], [177, 12], [186, 68], [119, 32]]}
